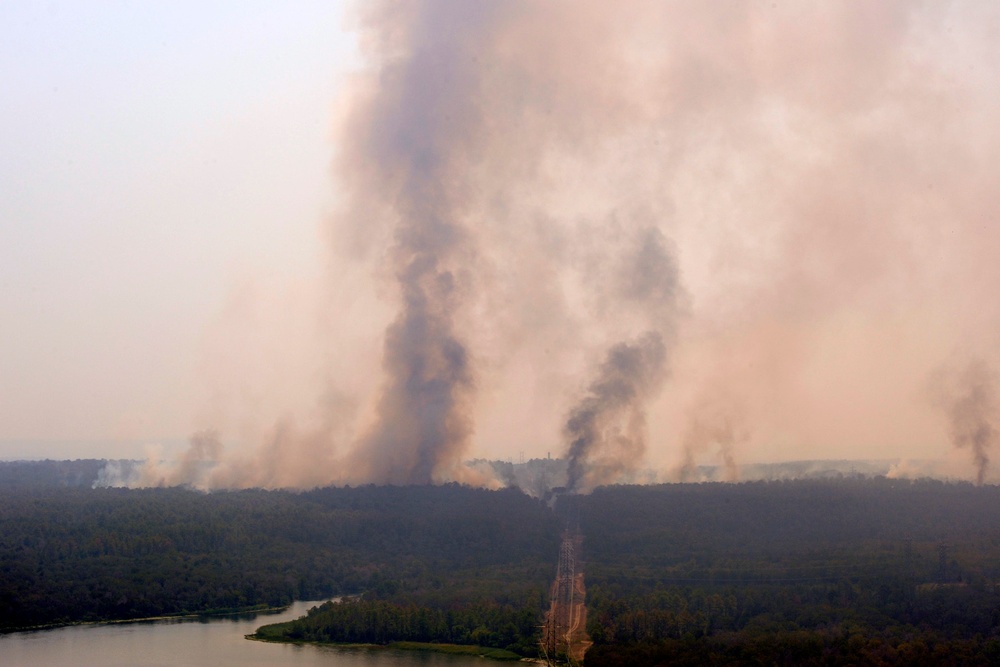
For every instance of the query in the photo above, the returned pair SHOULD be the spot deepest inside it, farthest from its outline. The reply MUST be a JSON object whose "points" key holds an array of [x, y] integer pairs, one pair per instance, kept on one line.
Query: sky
{"points": [[368, 243], [156, 158]]}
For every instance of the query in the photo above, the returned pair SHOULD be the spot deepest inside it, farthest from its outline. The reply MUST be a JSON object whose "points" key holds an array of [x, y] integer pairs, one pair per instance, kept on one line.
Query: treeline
{"points": [[797, 623], [34, 474], [512, 625], [846, 571], [842, 645], [79, 554], [865, 571]]}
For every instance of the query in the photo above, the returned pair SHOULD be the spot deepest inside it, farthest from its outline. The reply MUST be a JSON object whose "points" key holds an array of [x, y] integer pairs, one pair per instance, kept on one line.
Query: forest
{"points": [[852, 570], [818, 572], [72, 553]]}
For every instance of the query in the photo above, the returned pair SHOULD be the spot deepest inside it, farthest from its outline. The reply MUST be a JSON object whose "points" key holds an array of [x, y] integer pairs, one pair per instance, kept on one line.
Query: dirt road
{"points": [[565, 633]]}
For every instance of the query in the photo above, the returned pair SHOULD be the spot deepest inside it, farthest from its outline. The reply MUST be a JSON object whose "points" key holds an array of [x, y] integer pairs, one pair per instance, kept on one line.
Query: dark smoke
{"points": [[969, 396], [417, 135], [606, 430], [423, 410]]}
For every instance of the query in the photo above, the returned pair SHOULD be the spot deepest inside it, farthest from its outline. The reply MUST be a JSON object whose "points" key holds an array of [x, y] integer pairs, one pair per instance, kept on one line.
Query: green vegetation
{"points": [[503, 622], [79, 554], [819, 572], [455, 649], [833, 572]]}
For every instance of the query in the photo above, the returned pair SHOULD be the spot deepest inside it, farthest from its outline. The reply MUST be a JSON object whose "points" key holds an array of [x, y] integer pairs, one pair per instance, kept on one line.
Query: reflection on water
{"points": [[218, 642]]}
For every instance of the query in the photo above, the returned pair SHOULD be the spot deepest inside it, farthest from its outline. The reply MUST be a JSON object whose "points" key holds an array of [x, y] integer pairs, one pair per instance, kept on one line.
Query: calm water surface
{"points": [[217, 642]]}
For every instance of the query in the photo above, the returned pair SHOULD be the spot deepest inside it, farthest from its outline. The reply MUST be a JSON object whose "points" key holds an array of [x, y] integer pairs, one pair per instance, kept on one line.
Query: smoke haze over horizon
{"points": [[657, 235]]}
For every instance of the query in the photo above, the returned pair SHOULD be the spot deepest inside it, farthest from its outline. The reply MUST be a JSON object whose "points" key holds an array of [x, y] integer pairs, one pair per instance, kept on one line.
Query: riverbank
{"points": [[452, 649], [210, 613], [208, 642]]}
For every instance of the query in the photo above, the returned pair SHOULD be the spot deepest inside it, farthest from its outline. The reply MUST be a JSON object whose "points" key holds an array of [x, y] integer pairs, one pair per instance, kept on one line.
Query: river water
{"points": [[216, 642]]}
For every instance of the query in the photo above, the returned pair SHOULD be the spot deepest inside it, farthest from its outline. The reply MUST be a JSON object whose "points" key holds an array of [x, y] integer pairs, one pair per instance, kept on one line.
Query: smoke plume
{"points": [[417, 136], [606, 430], [192, 468], [521, 186], [969, 397]]}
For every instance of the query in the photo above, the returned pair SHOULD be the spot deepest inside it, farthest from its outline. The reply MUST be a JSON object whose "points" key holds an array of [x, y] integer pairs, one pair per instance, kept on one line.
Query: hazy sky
{"points": [[153, 157], [368, 248]]}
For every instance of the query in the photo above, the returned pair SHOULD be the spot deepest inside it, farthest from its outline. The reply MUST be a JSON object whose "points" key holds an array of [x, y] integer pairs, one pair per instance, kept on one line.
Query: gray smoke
{"points": [[968, 394], [204, 450], [509, 174], [423, 409], [606, 429], [193, 468], [415, 139]]}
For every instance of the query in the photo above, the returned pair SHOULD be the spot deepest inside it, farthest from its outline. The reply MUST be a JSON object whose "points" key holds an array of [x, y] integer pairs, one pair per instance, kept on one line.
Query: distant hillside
{"points": [[534, 476], [31, 474]]}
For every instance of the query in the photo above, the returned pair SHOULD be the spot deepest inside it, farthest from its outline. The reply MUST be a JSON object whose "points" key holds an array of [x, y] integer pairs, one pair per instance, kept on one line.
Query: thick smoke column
{"points": [[423, 410], [416, 136], [969, 396], [520, 184], [606, 430]]}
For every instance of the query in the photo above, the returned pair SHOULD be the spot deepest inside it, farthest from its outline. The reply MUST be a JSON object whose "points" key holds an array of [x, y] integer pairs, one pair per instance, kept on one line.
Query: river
{"points": [[215, 642]]}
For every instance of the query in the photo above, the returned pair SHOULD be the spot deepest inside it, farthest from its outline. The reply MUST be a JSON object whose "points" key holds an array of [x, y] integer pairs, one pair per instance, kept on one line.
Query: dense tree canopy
{"points": [[869, 571], [70, 554], [864, 571]]}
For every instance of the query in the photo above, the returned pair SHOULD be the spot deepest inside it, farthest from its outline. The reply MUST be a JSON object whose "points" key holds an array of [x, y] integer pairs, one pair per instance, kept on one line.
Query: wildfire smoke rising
{"points": [[968, 395], [526, 187], [606, 429]]}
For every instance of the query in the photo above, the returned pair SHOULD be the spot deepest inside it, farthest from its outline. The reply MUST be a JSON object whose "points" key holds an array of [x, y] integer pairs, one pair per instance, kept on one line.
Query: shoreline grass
{"points": [[181, 615], [452, 649]]}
